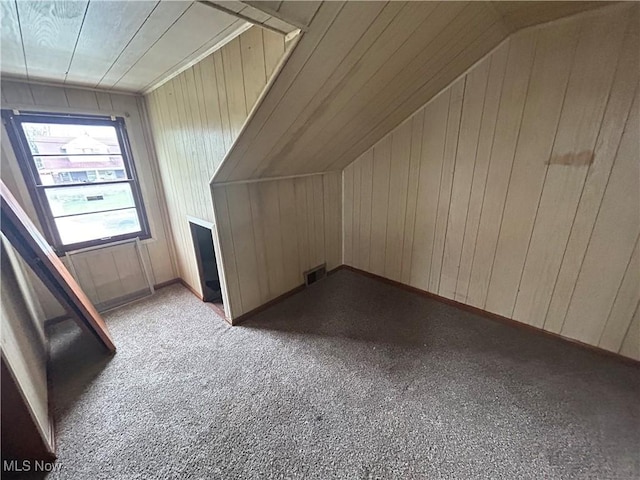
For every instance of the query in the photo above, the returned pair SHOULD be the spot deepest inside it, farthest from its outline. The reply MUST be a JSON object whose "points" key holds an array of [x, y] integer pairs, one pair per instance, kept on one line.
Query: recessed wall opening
{"points": [[207, 266]]}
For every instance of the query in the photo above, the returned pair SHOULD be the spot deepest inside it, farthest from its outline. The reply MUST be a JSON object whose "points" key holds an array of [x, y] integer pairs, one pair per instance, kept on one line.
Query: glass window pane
{"points": [[80, 169], [58, 138], [96, 226], [89, 198]]}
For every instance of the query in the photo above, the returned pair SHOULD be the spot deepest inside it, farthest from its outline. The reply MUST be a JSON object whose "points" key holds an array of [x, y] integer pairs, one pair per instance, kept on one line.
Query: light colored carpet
{"points": [[351, 378]]}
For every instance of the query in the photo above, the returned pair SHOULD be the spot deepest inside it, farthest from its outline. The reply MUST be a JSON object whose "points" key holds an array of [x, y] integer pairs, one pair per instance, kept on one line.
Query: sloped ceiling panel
{"points": [[360, 70]]}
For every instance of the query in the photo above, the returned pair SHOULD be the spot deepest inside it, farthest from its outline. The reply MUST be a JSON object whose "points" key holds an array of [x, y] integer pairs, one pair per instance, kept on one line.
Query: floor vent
{"points": [[315, 274]]}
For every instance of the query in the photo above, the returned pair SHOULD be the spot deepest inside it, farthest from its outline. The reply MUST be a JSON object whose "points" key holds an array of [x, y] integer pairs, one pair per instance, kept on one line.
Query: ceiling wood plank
{"points": [[225, 36], [101, 43], [190, 33], [50, 31], [162, 18], [12, 52]]}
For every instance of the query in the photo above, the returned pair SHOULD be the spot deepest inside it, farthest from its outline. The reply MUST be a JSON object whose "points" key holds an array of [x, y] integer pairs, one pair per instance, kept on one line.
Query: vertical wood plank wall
{"points": [[516, 190], [272, 231], [105, 275], [195, 117]]}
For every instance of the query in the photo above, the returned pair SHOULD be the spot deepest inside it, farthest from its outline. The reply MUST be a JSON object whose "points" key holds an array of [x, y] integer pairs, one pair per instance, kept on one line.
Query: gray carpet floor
{"points": [[351, 378]]}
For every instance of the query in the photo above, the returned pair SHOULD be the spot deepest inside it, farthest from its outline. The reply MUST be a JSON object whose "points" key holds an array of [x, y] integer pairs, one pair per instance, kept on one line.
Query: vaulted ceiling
{"points": [[360, 69]]}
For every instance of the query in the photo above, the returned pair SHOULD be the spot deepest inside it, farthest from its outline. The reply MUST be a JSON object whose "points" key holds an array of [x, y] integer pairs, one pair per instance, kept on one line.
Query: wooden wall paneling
{"points": [[209, 152], [84, 276], [593, 70], [491, 104], [49, 96], [380, 204], [289, 233], [130, 271], [157, 122], [318, 218], [516, 82], [613, 125], [432, 151], [273, 46], [446, 181], [104, 101], [525, 198], [333, 219], [355, 220], [472, 111], [104, 273], [270, 232], [547, 86], [213, 112], [222, 97], [244, 243], [398, 182], [301, 216], [624, 306], [453, 50], [235, 85], [191, 149], [269, 197], [417, 125], [202, 168], [311, 222], [366, 195], [17, 94], [347, 217], [253, 65], [631, 344], [612, 242], [81, 99], [227, 252], [258, 221]]}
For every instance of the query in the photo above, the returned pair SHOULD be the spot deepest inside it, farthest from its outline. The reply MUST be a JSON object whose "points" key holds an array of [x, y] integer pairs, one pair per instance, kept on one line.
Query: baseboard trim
{"points": [[494, 316], [245, 316], [168, 283], [278, 299]]}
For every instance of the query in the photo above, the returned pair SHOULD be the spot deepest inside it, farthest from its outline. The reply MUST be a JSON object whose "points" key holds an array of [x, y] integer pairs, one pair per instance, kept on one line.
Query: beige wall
{"points": [[516, 190], [99, 272], [23, 343], [273, 231], [195, 118]]}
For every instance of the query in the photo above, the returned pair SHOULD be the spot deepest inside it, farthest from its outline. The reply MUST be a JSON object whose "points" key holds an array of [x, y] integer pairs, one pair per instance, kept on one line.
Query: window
{"points": [[81, 177]]}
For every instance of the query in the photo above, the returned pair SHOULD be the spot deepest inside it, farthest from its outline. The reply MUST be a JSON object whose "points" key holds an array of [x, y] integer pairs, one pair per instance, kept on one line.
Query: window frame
{"points": [[13, 120]]}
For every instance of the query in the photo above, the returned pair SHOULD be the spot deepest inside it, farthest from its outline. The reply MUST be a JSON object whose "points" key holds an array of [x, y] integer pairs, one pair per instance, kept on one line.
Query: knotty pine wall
{"points": [[107, 274], [195, 118], [516, 190], [272, 231]]}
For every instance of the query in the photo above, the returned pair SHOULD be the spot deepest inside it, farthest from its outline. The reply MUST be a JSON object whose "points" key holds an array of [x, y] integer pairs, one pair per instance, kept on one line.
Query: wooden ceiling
{"points": [[360, 70], [113, 45]]}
